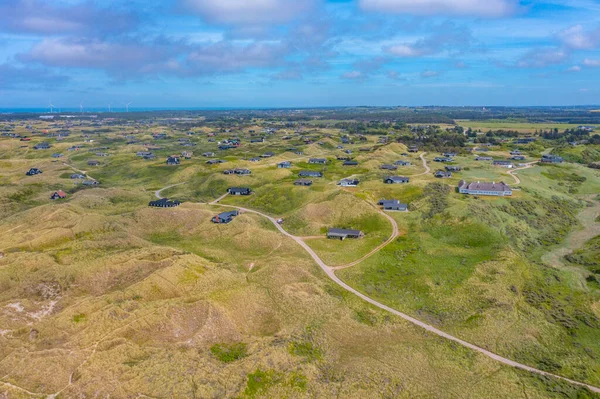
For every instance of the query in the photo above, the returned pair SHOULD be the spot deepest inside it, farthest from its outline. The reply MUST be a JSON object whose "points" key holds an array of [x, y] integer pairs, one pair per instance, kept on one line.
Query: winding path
{"points": [[527, 166], [83, 172], [427, 168], [157, 192], [330, 272]]}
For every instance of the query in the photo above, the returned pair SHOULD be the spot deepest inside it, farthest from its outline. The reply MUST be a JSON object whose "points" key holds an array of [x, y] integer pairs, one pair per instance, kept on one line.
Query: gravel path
{"points": [[330, 272]]}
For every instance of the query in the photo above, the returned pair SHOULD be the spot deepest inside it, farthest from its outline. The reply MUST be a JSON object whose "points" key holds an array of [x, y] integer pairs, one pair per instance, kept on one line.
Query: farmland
{"points": [[101, 294]]}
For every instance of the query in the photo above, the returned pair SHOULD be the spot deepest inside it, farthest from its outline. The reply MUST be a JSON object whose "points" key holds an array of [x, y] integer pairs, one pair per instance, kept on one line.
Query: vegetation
{"points": [[162, 302], [229, 353]]}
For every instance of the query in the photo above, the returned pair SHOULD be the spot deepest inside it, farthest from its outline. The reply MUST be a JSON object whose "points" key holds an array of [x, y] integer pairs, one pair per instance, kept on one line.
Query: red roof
{"points": [[61, 194]]}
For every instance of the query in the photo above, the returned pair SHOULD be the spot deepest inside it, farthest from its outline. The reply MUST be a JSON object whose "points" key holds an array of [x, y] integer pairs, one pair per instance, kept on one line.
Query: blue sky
{"points": [[298, 53]]}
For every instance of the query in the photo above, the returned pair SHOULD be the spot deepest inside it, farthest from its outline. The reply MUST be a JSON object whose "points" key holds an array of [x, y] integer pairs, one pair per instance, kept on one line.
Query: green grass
{"points": [[228, 353], [260, 381]]}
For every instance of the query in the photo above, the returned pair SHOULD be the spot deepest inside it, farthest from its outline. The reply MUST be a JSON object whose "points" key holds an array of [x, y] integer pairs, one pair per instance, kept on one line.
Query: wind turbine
{"points": [[81, 107], [109, 108], [127, 106], [50, 105]]}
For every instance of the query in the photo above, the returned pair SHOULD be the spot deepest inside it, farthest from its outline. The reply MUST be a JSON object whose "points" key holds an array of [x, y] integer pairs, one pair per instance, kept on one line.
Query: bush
{"points": [[229, 353]]}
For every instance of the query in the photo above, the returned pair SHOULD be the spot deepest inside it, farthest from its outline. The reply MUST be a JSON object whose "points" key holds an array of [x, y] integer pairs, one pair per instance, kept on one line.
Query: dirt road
{"points": [[330, 272], [527, 166]]}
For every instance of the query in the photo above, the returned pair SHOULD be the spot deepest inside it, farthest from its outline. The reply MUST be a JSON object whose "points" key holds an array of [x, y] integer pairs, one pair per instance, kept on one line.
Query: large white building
{"points": [[477, 188]]}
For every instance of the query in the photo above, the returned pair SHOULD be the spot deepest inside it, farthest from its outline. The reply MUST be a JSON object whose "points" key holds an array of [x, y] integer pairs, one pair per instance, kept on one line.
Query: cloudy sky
{"points": [[298, 53]]}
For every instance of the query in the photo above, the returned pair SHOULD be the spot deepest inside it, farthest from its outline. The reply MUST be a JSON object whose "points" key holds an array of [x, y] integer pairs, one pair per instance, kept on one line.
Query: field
{"points": [[517, 125], [102, 295]]}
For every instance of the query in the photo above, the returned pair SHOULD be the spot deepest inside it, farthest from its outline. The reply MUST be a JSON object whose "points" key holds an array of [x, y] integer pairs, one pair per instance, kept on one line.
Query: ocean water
{"points": [[103, 110]]}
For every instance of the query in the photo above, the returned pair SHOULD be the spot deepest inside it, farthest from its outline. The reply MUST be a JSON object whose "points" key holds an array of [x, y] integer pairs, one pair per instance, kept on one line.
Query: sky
{"points": [[298, 53]]}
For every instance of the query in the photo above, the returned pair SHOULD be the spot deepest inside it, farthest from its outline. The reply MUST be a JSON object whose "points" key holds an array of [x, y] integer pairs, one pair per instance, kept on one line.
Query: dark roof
{"points": [[164, 202], [310, 173], [226, 215], [343, 232], [396, 178], [241, 190], [483, 186]]}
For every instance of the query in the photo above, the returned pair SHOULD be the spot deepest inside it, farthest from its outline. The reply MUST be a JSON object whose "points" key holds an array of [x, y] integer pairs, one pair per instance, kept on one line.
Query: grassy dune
{"points": [[101, 295]]}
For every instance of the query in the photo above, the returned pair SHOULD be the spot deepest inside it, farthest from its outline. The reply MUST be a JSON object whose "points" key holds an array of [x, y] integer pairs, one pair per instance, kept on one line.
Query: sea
{"points": [[95, 110]]}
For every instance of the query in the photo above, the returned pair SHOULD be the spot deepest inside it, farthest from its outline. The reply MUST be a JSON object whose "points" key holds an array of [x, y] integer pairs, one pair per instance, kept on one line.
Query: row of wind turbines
{"points": [[52, 107]]}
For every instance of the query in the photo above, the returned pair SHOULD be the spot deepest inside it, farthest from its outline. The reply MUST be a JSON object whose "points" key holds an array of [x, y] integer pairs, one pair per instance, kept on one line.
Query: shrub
{"points": [[229, 353]]}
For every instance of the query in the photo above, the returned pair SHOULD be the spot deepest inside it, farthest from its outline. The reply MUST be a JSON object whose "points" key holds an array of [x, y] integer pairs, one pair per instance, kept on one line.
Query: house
{"points": [[239, 191], [453, 168], [388, 167], [173, 160], [90, 183], [319, 161], [164, 203], [449, 154], [310, 173], [342, 234], [77, 176], [348, 182], [242, 172], [395, 179], [443, 159], [215, 161], [93, 163], [524, 140], [303, 182], [392, 205], [484, 158], [259, 140], [413, 148], [284, 165], [549, 158], [142, 154], [402, 163], [504, 164], [268, 155], [343, 158], [350, 163], [518, 157], [441, 174], [33, 172], [208, 154], [226, 147], [254, 159], [57, 155], [478, 188], [515, 152], [41, 146], [58, 195], [187, 154], [225, 217]]}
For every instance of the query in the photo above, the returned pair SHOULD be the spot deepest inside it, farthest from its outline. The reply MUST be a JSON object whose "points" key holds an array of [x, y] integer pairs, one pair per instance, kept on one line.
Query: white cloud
{"points": [[574, 68], [446, 37], [540, 58], [429, 74], [480, 8], [248, 12], [591, 63], [577, 38], [405, 50], [353, 75]]}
